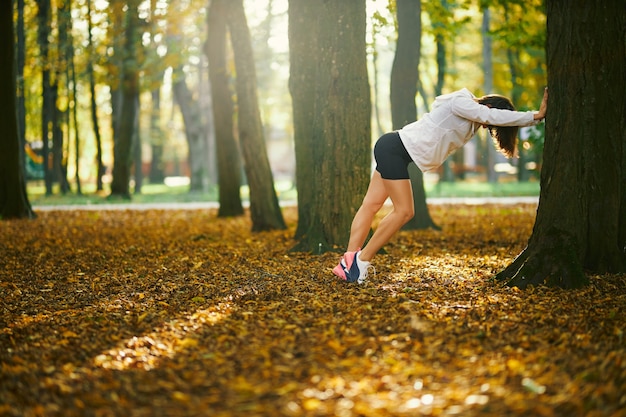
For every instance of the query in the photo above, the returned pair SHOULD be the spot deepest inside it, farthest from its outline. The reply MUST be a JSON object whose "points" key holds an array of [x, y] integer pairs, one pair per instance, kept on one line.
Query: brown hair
{"points": [[505, 137]]}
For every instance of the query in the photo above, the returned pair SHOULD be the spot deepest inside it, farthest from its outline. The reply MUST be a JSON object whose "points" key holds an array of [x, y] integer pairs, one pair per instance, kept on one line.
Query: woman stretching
{"points": [[454, 119]]}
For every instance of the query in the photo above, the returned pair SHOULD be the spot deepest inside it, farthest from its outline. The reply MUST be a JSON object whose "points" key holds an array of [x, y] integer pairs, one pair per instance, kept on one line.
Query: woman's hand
{"points": [[541, 114]]}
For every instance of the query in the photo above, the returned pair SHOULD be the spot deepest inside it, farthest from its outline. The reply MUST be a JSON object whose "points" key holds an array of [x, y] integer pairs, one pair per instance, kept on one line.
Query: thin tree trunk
{"points": [[137, 151], [156, 174], [228, 160], [62, 116], [488, 87], [59, 118], [76, 133], [43, 20], [404, 80], [72, 94], [264, 208], [194, 131], [92, 96], [20, 95]]}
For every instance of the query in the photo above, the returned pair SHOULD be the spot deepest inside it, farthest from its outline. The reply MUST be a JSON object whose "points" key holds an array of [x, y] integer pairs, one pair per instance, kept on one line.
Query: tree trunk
{"points": [[404, 80], [59, 162], [332, 118], [490, 148], [522, 155], [264, 208], [92, 97], [137, 150], [21, 60], [122, 149], [228, 161], [580, 221], [195, 132], [43, 20], [13, 198], [156, 175], [156, 137], [65, 25]]}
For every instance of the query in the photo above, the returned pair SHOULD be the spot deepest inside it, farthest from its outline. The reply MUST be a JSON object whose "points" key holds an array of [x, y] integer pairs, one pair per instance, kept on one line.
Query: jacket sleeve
{"points": [[467, 108]]}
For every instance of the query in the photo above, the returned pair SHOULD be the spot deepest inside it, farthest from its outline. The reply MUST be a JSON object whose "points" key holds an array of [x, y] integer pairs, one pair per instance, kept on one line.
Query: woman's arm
{"points": [[541, 114], [468, 108]]}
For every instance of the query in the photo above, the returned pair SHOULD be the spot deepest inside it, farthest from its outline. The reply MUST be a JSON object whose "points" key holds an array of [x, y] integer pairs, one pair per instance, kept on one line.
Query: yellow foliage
{"points": [[179, 312]]}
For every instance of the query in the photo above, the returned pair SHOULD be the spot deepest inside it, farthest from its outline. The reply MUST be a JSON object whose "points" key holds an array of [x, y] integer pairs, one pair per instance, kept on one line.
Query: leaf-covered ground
{"points": [[178, 313]]}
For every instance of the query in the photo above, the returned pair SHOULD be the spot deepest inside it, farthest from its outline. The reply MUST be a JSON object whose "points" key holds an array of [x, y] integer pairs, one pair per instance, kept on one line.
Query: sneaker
{"points": [[339, 270], [358, 269], [347, 260]]}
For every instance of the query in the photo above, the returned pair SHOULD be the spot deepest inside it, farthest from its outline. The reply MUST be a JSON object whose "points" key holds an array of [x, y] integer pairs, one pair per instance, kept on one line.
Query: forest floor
{"points": [[179, 313]]}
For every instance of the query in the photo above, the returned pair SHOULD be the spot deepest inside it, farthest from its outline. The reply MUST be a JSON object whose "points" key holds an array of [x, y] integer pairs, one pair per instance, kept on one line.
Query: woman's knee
{"points": [[406, 213], [372, 205]]}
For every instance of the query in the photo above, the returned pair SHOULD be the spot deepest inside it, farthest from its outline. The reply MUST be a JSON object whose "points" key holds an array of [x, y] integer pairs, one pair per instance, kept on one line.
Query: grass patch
{"points": [[482, 189], [179, 193]]}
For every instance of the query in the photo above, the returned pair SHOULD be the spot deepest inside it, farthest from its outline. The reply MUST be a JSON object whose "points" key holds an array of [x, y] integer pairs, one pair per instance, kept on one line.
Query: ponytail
{"points": [[505, 137]]}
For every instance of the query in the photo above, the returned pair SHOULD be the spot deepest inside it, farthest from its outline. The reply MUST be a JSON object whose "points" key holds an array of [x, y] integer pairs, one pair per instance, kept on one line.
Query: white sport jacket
{"points": [[450, 124]]}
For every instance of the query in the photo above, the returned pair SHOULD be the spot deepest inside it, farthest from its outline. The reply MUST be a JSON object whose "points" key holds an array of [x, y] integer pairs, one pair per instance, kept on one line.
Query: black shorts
{"points": [[392, 159]]}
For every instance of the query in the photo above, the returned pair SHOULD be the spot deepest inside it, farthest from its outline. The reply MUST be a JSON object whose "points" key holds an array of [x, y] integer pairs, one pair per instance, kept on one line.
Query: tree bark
{"points": [[490, 149], [441, 28], [122, 150], [195, 132], [92, 97], [404, 81], [264, 208], [157, 174], [226, 147], [332, 118], [21, 62], [580, 219], [43, 20], [137, 150], [13, 198], [67, 45], [59, 117]]}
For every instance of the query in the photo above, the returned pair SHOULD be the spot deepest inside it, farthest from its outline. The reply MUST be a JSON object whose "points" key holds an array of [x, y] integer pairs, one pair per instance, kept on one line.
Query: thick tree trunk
{"points": [[226, 147], [580, 220], [404, 80], [13, 199], [264, 208], [332, 118]]}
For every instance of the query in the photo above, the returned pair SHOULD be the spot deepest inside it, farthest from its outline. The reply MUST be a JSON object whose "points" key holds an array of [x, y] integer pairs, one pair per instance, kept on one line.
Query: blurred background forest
{"points": [[72, 54]]}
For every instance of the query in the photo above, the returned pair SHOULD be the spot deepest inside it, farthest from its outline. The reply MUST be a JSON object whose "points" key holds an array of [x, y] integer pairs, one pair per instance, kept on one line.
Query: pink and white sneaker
{"points": [[342, 268], [352, 269]]}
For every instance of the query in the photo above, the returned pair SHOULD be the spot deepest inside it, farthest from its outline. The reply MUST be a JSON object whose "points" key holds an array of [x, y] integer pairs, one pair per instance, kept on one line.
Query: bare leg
{"points": [[401, 196], [372, 202]]}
